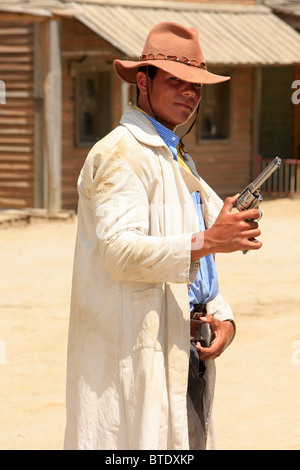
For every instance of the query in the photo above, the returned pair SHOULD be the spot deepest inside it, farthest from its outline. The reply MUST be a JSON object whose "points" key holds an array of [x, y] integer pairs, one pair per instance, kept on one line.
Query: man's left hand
{"points": [[222, 331]]}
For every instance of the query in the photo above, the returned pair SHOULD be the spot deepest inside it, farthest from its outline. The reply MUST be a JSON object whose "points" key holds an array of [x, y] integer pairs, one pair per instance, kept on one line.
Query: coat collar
{"points": [[139, 125], [143, 130]]}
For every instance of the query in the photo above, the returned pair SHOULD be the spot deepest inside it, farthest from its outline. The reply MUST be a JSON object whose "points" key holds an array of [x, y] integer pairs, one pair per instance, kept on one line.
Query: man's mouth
{"points": [[186, 106]]}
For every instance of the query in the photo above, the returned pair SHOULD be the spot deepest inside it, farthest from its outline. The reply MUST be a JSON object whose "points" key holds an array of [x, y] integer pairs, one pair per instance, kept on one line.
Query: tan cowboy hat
{"points": [[173, 48]]}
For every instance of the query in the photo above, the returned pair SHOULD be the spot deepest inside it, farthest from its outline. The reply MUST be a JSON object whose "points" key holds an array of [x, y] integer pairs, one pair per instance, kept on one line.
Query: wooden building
{"points": [[289, 12], [62, 95]]}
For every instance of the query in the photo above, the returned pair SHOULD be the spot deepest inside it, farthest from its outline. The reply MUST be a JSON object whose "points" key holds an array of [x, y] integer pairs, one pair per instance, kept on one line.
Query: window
{"points": [[214, 115], [93, 106]]}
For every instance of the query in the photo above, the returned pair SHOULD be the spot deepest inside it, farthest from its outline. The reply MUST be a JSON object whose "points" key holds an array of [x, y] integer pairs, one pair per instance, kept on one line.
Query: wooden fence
{"points": [[285, 181]]}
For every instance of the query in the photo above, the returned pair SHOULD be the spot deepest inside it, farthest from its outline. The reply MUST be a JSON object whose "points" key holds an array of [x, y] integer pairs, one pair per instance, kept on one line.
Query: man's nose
{"points": [[188, 89]]}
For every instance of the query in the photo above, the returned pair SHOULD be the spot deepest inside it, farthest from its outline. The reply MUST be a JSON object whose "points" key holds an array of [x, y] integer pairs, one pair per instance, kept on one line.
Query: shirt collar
{"points": [[169, 137]]}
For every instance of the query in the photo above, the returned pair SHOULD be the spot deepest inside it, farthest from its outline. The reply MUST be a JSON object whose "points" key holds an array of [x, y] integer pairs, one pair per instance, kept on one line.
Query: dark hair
{"points": [[151, 74]]}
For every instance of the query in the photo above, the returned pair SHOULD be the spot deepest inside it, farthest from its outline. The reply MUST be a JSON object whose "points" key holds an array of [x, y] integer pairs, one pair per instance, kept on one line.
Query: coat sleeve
{"points": [[121, 194]]}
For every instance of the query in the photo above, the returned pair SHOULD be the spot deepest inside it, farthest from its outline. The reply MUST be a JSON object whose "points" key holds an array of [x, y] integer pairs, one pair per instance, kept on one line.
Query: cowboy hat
{"points": [[172, 48]]}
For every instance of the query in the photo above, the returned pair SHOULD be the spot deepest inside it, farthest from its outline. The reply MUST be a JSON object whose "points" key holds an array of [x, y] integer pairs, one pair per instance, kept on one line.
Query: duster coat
{"points": [[129, 332]]}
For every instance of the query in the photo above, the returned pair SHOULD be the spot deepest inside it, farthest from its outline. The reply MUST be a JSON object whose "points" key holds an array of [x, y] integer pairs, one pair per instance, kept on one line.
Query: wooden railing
{"points": [[285, 181]]}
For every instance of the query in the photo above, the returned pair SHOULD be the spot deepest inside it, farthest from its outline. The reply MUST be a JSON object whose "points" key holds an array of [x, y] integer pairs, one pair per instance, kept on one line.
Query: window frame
{"points": [[90, 67], [199, 132]]}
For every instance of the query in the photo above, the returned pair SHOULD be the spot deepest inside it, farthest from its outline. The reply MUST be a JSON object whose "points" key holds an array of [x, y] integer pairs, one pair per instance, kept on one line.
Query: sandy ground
{"points": [[257, 402]]}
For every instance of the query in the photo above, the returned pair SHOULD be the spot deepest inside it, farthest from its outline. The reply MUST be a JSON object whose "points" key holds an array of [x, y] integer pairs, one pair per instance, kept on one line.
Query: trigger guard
{"points": [[260, 215]]}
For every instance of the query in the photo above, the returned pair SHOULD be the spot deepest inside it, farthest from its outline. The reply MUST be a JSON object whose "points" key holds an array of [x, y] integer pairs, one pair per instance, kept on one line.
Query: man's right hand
{"points": [[232, 231]]}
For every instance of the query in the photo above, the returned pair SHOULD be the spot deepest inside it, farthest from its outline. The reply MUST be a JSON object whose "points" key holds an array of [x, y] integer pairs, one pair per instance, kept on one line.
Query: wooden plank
{"points": [[15, 49], [22, 18], [16, 121], [12, 149], [15, 166], [15, 112], [17, 157], [12, 31]]}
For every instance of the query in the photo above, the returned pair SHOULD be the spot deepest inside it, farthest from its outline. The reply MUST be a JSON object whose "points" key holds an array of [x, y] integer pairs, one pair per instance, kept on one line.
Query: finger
{"points": [[207, 353], [253, 244], [252, 224], [260, 215], [257, 219], [253, 233], [230, 202], [208, 319], [250, 214]]}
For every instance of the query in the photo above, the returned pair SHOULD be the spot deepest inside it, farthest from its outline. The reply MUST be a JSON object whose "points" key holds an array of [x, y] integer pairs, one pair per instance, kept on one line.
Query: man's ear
{"points": [[141, 81]]}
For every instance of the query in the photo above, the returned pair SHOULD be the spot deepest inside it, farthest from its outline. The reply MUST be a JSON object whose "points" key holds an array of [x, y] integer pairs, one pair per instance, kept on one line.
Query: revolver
{"points": [[250, 197]]}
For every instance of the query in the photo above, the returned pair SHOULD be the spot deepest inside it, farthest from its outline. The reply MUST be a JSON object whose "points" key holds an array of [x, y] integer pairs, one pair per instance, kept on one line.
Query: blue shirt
{"points": [[206, 285]]}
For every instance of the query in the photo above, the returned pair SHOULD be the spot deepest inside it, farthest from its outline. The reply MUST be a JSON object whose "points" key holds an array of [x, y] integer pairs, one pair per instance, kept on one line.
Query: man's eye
{"points": [[198, 85]]}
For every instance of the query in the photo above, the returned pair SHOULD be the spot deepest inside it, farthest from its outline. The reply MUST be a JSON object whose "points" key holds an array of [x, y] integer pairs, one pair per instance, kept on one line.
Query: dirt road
{"points": [[257, 403]]}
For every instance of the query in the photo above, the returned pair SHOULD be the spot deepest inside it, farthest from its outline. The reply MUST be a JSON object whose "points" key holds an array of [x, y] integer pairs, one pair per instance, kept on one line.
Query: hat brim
{"points": [[126, 70]]}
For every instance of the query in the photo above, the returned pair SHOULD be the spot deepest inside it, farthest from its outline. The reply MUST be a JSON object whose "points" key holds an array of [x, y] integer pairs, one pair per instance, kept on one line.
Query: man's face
{"points": [[173, 101]]}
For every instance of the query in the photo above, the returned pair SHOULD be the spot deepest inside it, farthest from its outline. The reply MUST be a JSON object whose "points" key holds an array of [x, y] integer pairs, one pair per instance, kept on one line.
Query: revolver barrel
{"points": [[259, 181], [251, 197]]}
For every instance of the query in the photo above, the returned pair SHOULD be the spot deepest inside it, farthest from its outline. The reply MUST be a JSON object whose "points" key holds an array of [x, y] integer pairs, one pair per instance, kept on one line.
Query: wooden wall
{"points": [[79, 43], [17, 115], [226, 164], [277, 113], [18, 162]]}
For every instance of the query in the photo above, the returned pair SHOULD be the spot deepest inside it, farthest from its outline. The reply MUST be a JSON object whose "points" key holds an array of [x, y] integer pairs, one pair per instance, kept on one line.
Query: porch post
{"points": [[52, 83], [257, 91], [125, 95]]}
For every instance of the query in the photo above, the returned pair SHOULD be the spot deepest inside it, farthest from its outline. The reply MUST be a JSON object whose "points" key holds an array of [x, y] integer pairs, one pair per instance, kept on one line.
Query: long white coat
{"points": [[128, 351]]}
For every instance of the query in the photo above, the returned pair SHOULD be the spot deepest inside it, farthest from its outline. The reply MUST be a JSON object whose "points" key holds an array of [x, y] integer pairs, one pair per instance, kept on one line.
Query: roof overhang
{"points": [[230, 35], [288, 11], [36, 10]]}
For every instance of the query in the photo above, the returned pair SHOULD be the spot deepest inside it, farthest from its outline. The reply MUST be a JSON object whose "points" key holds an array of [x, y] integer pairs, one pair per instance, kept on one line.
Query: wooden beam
{"points": [[52, 82], [22, 17], [256, 111]]}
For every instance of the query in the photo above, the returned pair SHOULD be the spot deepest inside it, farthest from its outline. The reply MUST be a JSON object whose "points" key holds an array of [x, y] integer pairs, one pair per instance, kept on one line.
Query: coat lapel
{"points": [[212, 204]]}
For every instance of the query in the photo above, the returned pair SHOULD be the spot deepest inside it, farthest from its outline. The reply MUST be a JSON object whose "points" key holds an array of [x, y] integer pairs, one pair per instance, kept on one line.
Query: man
{"points": [[144, 264]]}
